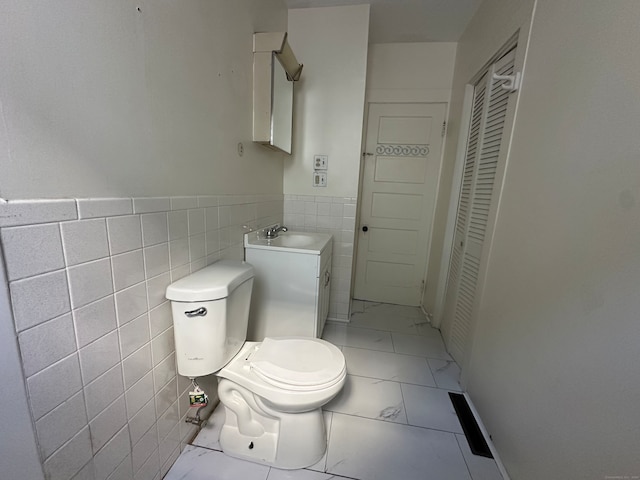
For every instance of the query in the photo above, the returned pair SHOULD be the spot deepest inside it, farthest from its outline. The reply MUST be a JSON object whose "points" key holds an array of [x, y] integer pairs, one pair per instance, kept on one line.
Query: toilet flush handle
{"points": [[198, 312]]}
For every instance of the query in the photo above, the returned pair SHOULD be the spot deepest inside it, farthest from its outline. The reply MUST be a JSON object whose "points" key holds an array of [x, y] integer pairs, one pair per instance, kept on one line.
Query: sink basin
{"points": [[301, 242], [293, 240]]}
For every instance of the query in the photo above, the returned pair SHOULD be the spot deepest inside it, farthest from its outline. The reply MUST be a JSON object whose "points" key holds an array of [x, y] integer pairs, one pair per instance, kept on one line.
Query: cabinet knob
{"points": [[365, 229]]}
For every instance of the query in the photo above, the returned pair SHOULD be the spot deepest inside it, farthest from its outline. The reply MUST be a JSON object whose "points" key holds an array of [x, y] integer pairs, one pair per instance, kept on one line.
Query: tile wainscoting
{"points": [[337, 216], [87, 280]]}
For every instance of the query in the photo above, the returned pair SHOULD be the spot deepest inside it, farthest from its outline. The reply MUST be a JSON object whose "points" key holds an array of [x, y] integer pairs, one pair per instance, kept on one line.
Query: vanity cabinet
{"points": [[291, 289]]}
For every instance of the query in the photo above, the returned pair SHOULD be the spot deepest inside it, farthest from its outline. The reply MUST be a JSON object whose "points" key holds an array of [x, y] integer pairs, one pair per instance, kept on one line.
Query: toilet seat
{"points": [[288, 386], [295, 363]]}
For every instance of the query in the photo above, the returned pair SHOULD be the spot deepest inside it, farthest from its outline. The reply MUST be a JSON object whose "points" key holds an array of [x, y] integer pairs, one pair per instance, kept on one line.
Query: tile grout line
{"points": [[396, 353], [463, 457]]}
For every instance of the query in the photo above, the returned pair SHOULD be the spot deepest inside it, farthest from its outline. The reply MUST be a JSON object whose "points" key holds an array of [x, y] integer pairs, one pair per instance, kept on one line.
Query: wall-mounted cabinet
{"points": [[275, 69]]}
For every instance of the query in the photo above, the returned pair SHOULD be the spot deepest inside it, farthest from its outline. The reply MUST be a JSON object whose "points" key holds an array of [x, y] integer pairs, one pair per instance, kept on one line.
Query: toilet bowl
{"points": [[273, 391]]}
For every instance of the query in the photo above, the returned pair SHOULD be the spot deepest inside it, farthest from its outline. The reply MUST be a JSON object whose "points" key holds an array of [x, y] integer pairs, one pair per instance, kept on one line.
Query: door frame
{"points": [[454, 199], [384, 96]]}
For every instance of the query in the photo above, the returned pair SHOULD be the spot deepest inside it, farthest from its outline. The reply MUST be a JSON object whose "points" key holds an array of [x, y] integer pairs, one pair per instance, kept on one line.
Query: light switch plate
{"points": [[319, 179], [320, 162]]}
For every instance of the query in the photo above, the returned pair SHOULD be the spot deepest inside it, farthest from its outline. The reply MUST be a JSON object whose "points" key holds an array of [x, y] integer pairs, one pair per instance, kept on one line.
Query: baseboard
{"points": [[337, 320], [428, 315]]}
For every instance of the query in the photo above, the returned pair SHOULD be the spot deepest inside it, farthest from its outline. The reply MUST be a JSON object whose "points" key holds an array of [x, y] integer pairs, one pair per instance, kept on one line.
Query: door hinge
{"points": [[444, 128]]}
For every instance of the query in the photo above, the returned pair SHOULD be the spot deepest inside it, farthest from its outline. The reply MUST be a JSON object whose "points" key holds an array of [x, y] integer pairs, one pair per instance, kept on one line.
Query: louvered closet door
{"points": [[483, 149]]}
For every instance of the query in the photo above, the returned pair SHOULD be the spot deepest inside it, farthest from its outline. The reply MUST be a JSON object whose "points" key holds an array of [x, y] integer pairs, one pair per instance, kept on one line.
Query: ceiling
{"points": [[395, 21]]}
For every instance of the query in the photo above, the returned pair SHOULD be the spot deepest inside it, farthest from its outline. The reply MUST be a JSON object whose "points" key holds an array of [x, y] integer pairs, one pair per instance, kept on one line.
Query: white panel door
{"points": [[400, 178], [484, 143]]}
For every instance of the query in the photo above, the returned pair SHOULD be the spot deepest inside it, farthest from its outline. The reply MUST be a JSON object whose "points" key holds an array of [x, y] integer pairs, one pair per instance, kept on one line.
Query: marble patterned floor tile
{"points": [[481, 468], [196, 463], [446, 373], [430, 408], [387, 323], [372, 450], [430, 346], [426, 329], [388, 309], [321, 466], [388, 366], [383, 346], [357, 306], [276, 474], [210, 433], [358, 337], [371, 398]]}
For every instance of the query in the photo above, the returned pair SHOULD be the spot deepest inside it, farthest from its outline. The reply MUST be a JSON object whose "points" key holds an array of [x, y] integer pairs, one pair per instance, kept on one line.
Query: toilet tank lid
{"points": [[214, 282]]}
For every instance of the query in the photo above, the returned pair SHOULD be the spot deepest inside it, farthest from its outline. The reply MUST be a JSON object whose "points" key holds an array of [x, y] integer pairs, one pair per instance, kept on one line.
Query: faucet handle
{"points": [[272, 232]]}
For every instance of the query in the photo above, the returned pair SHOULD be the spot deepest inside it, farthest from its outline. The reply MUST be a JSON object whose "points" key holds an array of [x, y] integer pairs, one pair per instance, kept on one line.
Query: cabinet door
{"points": [[324, 288]]}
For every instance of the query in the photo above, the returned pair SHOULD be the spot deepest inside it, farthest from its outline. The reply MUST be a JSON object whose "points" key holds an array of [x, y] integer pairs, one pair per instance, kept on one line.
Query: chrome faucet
{"points": [[272, 232]]}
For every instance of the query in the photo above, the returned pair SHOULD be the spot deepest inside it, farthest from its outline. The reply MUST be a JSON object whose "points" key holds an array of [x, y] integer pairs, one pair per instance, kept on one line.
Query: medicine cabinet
{"points": [[275, 69]]}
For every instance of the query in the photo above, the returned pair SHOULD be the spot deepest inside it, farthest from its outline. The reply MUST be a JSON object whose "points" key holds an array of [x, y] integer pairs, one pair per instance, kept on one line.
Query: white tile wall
{"points": [[334, 215], [142, 421], [47, 343], [87, 282], [53, 385], [103, 391], [94, 320], [104, 207], [113, 453], [124, 471], [38, 299], [61, 424], [131, 303], [32, 250], [134, 335], [69, 458], [125, 233], [128, 269], [29, 212], [85, 240], [99, 356], [108, 423], [154, 228]]}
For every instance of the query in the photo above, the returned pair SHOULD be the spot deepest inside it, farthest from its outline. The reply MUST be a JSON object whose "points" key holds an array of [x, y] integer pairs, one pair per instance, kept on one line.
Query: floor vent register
{"points": [[472, 431]]}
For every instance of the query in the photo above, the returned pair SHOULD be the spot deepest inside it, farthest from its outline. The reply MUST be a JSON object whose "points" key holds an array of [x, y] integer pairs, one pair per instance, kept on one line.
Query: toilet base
{"points": [[253, 431]]}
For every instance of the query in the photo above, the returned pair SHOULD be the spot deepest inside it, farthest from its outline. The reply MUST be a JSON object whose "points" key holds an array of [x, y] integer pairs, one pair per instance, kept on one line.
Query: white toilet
{"points": [[272, 390]]}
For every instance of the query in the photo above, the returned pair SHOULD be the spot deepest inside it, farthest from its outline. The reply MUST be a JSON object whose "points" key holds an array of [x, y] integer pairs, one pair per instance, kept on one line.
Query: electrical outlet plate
{"points": [[320, 162], [319, 179]]}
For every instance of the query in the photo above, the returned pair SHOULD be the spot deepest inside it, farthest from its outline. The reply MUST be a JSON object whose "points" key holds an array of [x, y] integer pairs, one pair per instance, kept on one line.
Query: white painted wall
{"points": [[103, 99], [554, 365], [410, 72], [329, 99]]}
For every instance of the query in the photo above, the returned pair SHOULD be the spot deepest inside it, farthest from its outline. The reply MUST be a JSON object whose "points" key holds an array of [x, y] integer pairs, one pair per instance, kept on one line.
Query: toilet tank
{"points": [[210, 314]]}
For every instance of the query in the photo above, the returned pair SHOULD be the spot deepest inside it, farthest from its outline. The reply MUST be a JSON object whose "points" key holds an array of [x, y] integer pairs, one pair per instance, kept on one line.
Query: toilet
{"points": [[272, 390]]}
